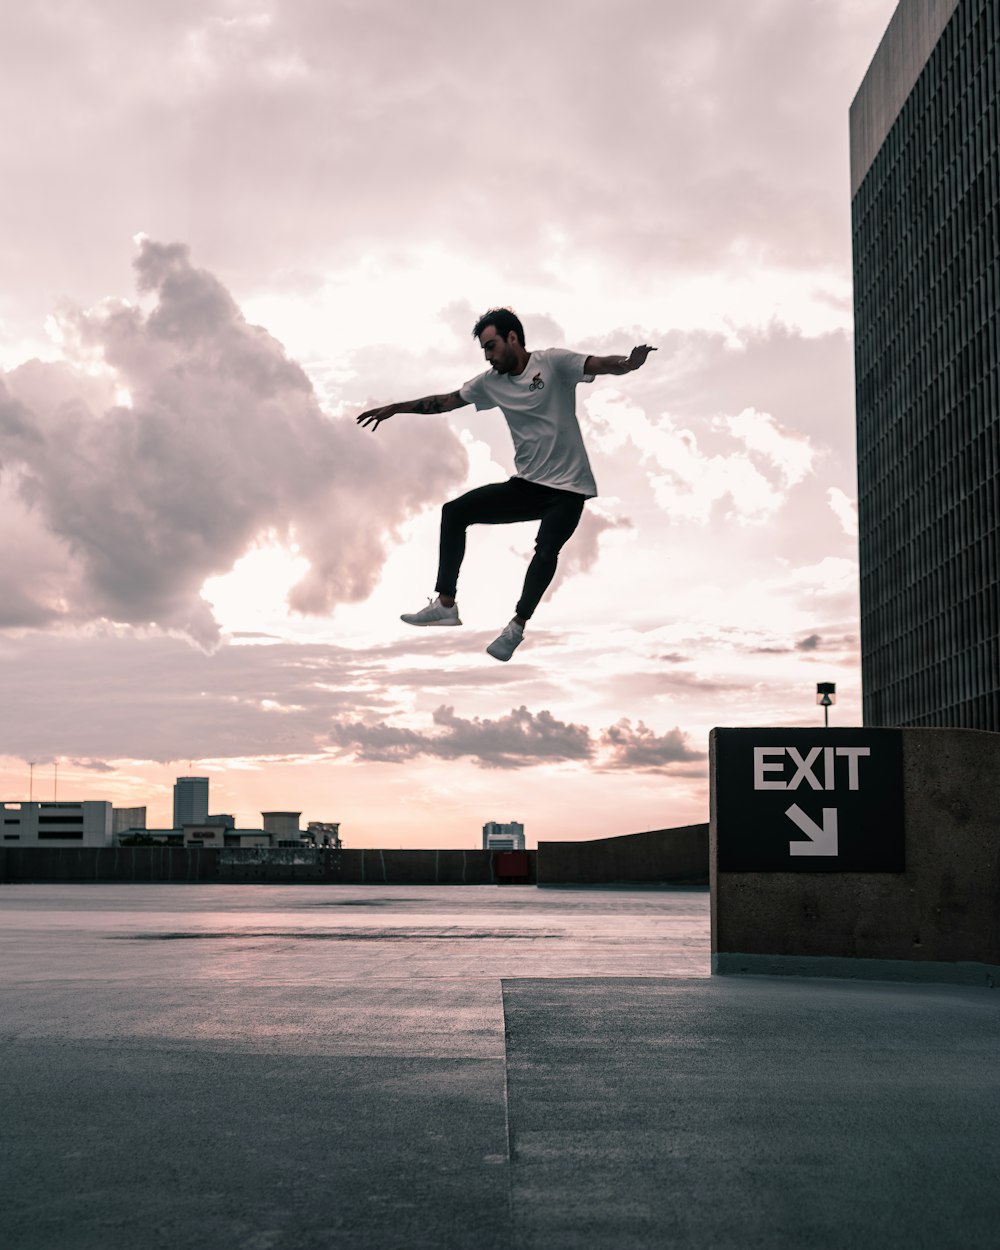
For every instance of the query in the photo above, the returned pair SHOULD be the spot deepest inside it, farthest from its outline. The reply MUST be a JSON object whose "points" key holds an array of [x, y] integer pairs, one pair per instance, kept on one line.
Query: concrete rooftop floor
{"points": [[286, 1067]]}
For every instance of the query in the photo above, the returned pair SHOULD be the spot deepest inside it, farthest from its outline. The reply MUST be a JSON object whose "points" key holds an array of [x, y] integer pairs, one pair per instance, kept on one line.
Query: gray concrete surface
{"points": [[271, 1067]]}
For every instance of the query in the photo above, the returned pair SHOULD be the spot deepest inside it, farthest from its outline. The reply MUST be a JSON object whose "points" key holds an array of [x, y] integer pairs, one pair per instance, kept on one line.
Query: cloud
{"points": [[629, 688], [155, 698], [744, 474], [125, 695], [845, 509], [521, 739], [804, 382], [638, 747], [15, 420], [518, 740], [171, 441], [788, 451], [697, 136], [811, 642], [582, 553], [727, 454], [689, 171]]}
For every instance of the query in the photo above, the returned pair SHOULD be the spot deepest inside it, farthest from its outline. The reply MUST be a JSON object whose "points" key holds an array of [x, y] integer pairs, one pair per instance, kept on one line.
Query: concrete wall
{"points": [[938, 920], [170, 863], [112, 863], [658, 856], [362, 867]]}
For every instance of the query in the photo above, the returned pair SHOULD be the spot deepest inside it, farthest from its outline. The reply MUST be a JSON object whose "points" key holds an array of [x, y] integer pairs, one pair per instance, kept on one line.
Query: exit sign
{"points": [[796, 800]]}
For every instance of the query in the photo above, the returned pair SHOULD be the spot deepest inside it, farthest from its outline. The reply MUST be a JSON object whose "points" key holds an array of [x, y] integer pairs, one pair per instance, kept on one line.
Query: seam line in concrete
{"points": [[506, 1123]]}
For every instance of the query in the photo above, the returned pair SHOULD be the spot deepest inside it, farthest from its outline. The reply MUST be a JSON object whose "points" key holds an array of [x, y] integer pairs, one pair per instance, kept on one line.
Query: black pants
{"points": [[501, 504]]}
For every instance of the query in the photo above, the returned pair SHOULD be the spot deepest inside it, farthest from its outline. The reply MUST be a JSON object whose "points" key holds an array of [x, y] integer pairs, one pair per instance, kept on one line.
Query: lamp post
{"points": [[826, 695]]}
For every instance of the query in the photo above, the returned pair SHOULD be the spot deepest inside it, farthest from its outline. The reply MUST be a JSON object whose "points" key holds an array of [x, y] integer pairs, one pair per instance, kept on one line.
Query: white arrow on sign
{"points": [[822, 838]]}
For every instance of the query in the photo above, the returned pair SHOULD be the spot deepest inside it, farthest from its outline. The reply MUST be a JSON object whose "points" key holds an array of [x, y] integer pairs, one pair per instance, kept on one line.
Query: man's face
{"points": [[499, 353]]}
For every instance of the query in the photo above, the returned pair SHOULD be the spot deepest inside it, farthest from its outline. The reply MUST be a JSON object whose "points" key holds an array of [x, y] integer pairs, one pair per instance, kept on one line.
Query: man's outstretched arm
{"points": [[430, 403], [618, 364]]}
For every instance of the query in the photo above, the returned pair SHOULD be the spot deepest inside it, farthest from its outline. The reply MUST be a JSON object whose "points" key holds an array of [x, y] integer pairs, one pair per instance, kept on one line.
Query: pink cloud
{"points": [[220, 439]]}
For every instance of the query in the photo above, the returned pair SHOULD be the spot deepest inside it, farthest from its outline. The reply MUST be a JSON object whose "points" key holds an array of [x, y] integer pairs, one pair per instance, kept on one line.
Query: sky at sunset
{"points": [[228, 228]]}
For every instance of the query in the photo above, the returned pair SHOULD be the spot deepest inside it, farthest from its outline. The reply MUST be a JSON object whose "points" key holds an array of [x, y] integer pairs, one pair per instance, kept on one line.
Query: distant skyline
{"points": [[235, 227]]}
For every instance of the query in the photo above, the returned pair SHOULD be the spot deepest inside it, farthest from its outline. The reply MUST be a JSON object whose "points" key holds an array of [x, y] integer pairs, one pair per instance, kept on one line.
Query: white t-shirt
{"points": [[540, 408]]}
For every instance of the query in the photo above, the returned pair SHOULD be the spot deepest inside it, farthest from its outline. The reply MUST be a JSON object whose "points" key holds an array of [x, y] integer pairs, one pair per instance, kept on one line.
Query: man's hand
{"points": [[618, 364], [375, 416], [637, 357]]}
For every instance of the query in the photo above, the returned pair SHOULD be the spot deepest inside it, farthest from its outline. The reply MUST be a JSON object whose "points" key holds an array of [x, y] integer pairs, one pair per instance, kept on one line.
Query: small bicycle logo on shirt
{"points": [[536, 383]]}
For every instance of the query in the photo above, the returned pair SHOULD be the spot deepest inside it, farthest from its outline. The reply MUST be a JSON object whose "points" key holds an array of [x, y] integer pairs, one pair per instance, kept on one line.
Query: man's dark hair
{"points": [[504, 320]]}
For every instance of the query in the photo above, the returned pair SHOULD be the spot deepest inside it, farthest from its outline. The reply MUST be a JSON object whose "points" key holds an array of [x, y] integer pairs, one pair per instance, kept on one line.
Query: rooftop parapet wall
{"points": [[655, 857], [938, 919], [260, 865], [915, 28], [658, 856]]}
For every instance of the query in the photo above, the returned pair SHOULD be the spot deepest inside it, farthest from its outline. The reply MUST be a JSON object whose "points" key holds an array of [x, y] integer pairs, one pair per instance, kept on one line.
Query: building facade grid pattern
{"points": [[190, 801], [926, 237]]}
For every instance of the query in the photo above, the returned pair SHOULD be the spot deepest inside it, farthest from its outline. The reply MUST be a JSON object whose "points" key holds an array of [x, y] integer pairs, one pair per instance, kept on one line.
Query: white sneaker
{"points": [[503, 648], [434, 614]]}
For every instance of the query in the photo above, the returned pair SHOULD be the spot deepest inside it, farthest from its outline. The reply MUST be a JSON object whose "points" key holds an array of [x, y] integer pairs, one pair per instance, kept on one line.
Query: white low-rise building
{"points": [[503, 837], [57, 824]]}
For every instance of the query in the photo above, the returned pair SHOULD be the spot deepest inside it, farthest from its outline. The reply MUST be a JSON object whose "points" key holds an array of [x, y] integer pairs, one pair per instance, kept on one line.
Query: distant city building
{"points": [[208, 834], [190, 801], [204, 834], [125, 818], [925, 206], [57, 824], [283, 828], [247, 837], [324, 833], [280, 829], [93, 824], [503, 837]]}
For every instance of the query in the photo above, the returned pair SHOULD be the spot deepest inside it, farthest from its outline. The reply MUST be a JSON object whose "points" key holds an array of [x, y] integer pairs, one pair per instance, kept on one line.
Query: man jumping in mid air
{"points": [[536, 392]]}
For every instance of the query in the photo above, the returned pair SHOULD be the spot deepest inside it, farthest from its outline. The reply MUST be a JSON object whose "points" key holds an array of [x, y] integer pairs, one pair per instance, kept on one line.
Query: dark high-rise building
{"points": [[925, 191], [190, 801]]}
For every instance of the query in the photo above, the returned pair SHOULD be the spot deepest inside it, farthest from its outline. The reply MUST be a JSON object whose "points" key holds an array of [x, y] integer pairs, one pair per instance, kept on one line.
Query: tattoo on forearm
{"points": [[433, 403]]}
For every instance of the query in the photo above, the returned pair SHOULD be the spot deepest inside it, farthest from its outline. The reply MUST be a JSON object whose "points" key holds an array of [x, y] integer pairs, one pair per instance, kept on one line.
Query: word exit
{"points": [[819, 768], [808, 800]]}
